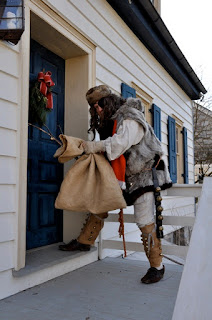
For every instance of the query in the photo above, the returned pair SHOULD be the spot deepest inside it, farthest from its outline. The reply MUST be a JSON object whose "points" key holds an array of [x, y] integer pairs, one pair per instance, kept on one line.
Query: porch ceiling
{"points": [[53, 40]]}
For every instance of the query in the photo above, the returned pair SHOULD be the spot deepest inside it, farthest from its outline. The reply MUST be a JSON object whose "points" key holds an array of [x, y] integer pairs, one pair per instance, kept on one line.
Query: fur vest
{"points": [[142, 157]]}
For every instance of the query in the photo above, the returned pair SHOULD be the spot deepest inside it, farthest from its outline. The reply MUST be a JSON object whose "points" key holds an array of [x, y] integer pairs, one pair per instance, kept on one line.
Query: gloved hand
{"points": [[93, 146]]}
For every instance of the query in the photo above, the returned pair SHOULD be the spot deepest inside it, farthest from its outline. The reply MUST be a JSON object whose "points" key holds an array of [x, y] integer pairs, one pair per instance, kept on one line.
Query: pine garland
{"points": [[37, 105]]}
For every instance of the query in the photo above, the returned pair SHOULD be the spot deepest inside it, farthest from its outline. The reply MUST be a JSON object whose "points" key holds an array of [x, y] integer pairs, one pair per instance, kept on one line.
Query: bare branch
{"points": [[48, 133], [61, 131], [203, 135]]}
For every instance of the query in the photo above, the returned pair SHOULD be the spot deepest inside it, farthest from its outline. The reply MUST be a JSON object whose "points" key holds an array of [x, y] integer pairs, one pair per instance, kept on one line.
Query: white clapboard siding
{"points": [[6, 251], [7, 283], [80, 14], [8, 87], [9, 98], [8, 170], [111, 33], [7, 225], [131, 72], [103, 73], [8, 143], [116, 34], [114, 74], [7, 199], [119, 26], [9, 60], [8, 112]]}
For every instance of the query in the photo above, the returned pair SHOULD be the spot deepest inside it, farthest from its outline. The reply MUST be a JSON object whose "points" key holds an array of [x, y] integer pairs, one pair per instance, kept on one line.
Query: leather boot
{"points": [[91, 228], [88, 234], [153, 250], [74, 245]]}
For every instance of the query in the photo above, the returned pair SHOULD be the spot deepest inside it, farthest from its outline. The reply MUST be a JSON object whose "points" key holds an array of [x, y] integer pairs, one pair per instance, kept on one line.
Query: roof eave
{"points": [[145, 22]]}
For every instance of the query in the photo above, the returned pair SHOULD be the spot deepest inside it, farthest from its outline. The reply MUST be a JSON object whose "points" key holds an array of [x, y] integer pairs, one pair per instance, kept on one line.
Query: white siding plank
{"points": [[6, 251], [8, 87], [7, 225], [11, 47], [8, 170], [8, 112], [9, 61], [8, 145], [109, 77], [7, 199]]}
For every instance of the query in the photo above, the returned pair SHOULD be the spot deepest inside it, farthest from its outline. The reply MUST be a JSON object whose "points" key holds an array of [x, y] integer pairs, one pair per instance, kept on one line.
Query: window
{"points": [[177, 140], [151, 111], [179, 152], [146, 100]]}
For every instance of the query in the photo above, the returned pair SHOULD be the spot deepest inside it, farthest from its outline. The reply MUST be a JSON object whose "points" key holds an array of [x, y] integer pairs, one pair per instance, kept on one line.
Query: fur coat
{"points": [[142, 157]]}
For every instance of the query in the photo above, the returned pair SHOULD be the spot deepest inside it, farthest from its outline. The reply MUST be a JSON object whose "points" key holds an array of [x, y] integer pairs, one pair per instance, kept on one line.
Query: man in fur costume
{"points": [[124, 132]]}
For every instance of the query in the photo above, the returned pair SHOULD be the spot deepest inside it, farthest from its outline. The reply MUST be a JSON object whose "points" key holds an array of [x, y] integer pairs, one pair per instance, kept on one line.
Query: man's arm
{"points": [[128, 134]]}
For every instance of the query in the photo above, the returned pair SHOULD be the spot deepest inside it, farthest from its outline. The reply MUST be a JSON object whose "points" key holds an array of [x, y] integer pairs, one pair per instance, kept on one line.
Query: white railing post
{"points": [[194, 294]]}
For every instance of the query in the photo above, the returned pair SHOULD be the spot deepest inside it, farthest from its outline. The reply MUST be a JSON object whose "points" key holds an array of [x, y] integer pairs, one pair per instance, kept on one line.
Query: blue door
{"points": [[45, 174]]}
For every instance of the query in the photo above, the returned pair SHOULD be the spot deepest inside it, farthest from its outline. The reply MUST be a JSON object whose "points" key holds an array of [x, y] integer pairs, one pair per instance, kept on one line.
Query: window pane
{"points": [[177, 140], [14, 3], [11, 18]]}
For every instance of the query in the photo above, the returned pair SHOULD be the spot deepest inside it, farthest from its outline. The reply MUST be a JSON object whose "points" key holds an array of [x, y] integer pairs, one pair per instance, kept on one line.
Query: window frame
{"points": [[147, 101], [179, 149]]}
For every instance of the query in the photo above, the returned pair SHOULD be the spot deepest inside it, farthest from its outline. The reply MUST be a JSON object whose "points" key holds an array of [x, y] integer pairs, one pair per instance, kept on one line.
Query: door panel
{"points": [[45, 174]]}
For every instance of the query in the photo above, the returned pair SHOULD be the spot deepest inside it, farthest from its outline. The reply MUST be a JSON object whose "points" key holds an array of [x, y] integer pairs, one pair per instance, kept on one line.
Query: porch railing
{"points": [[194, 294], [182, 190]]}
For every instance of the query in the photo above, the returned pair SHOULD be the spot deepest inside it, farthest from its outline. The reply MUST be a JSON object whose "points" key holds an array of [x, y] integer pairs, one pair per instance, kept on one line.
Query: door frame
{"points": [[79, 76]]}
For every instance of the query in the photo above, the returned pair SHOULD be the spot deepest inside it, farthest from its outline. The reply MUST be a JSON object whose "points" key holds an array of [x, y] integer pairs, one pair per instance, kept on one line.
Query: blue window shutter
{"points": [[127, 91], [185, 155], [156, 120], [172, 149]]}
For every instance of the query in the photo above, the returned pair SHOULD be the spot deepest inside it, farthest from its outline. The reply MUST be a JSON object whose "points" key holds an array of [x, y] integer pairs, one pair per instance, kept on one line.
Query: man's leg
{"points": [[144, 217], [90, 231]]}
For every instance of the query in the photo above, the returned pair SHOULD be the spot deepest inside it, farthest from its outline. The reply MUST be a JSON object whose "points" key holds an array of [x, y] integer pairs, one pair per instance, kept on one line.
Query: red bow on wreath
{"points": [[45, 84]]}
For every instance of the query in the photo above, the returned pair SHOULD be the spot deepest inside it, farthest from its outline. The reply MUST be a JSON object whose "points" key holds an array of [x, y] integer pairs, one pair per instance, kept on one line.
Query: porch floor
{"points": [[109, 289]]}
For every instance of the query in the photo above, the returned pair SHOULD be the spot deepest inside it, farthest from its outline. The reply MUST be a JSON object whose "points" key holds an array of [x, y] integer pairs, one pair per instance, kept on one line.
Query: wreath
{"points": [[40, 98]]}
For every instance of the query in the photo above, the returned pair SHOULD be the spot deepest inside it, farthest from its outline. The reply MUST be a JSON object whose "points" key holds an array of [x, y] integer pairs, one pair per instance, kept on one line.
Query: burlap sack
{"points": [[90, 185], [71, 148]]}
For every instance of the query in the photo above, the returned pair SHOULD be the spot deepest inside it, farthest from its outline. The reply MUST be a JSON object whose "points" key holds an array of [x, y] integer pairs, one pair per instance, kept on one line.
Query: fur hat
{"points": [[96, 93]]}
